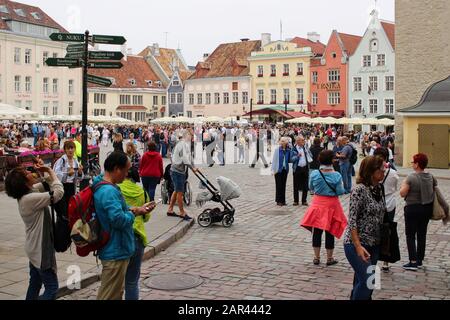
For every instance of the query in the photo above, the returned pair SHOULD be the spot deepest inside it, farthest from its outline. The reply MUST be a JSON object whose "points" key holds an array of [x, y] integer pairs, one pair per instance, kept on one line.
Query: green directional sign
{"points": [[101, 39], [60, 62], [105, 55], [105, 65], [75, 47], [74, 55], [67, 37], [99, 80]]}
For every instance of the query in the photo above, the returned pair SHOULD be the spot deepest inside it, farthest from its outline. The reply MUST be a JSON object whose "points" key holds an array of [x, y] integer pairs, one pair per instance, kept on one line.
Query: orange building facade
{"points": [[329, 76]]}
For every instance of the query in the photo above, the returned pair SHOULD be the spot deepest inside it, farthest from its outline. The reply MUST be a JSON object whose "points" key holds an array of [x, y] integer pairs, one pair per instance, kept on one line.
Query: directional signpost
{"points": [[105, 65], [99, 39], [78, 55], [105, 55], [60, 62], [99, 80]]}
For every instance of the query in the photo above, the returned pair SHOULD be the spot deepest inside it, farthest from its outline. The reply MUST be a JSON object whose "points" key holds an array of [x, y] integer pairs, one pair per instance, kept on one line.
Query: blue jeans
{"points": [[362, 274], [346, 172], [134, 272], [163, 149], [38, 277], [150, 184]]}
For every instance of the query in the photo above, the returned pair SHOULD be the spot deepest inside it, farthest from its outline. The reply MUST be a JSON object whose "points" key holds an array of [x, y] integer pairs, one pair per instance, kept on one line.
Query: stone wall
{"points": [[422, 52]]}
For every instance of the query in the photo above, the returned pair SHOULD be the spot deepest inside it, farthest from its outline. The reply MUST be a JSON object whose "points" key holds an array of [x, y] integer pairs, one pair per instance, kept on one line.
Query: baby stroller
{"points": [[167, 188], [228, 190]]}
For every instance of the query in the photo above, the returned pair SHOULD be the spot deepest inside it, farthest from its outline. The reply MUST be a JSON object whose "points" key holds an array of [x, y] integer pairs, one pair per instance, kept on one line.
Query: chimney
{"points": [[265, 39], [313, 36], [156, 50], [205, 56], [245, 39]]}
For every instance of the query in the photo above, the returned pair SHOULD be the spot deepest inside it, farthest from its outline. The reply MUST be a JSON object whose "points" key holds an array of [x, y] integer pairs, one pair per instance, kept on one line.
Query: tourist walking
{"points": [[362, 235], [325, 212], [418, 190], [280, 169], [151, 169]]}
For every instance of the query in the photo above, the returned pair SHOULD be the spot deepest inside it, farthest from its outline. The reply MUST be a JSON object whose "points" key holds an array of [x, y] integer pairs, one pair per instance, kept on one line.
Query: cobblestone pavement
{"points": [[266, 255]]}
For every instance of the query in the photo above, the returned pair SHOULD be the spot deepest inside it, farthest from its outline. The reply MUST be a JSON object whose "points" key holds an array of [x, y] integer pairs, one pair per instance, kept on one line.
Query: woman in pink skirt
{"points": [[325, 212]]}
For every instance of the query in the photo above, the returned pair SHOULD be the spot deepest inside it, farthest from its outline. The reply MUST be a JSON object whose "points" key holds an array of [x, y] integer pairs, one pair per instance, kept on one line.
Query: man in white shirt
{"points": [[301, 157]]}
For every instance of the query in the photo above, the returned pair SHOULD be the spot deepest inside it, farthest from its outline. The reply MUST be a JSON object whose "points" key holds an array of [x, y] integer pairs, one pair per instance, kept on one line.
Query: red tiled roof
{"points": [[389, 28], [44, 20], [135, 67], [227, 60], [165, 58], [317, 48], [350, 42]]}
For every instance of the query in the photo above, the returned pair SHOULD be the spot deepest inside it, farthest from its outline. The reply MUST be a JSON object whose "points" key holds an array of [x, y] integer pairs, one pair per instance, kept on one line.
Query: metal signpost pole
{"points": [[85, 182]]}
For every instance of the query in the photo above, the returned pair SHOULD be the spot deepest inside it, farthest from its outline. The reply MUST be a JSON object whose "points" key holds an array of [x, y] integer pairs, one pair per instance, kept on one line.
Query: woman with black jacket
{"points": [[315, 149]]}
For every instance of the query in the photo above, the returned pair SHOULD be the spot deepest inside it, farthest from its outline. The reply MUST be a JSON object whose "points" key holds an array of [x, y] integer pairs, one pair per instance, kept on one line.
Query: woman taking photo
{"points": [[280, 169], [418, 191], [33, 202], [151, 170], [68, 170], [325, 212], [362, 236]]}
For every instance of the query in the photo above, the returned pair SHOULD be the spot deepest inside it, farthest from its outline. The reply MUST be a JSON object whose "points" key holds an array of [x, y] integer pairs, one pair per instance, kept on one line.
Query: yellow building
{"points": [[426, 127], [280, 73]]}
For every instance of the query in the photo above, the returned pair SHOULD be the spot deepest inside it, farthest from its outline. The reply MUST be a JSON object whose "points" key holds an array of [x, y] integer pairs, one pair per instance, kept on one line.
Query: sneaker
{"points": [[419, 264], [385, 269], [410, 266], [295, 204]]}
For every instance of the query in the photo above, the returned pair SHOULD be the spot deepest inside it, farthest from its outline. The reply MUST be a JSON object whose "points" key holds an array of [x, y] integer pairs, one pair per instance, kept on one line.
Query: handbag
{"points": [[438, 211]]}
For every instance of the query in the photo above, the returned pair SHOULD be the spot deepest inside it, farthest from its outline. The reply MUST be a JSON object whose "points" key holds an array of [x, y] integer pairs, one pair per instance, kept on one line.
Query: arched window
{"points": [[374, 45]]}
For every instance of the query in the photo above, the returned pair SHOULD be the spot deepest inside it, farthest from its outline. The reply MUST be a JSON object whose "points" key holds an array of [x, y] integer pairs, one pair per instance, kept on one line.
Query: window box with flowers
{"points": [[273, 74], [260, 102], [273, 102], [299, 73], [285, 74], [286, 102], [299, 101]]}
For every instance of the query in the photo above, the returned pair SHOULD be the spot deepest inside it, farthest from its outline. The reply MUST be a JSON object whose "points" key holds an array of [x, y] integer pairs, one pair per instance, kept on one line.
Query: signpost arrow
{"points": [[67, 37], [75, 48], [99, 80], [108, 39], [105, 65], [60, 62], [105, 55], [74, 55]]}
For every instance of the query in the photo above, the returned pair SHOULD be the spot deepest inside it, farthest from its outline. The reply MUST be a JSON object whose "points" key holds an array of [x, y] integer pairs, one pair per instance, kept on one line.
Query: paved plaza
{"points": [[266, 255]]}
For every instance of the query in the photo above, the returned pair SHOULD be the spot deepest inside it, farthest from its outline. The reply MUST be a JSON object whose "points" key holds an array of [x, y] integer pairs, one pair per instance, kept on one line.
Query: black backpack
{"points": [[61, 229], [354, 156]]}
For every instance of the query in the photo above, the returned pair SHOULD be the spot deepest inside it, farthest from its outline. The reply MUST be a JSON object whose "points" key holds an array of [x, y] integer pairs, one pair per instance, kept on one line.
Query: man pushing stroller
{"points": [[181, 161]]}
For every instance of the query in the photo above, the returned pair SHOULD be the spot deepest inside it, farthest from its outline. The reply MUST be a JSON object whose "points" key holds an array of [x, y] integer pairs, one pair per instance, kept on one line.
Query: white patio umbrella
{"points": [[386, 122], [199, 120], [215, 119], [327, 120], [183, 120], [12, 112], [300, 120]]}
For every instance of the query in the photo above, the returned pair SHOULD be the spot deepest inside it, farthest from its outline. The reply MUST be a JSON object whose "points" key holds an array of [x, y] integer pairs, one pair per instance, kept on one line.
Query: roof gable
{"points": [[318, 48], [135, 67], [389, 29], [350, 42]]}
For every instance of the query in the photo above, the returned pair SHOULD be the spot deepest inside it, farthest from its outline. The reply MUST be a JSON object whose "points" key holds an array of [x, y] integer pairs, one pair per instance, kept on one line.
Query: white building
{"points": [[372, 72], [25, 80]]}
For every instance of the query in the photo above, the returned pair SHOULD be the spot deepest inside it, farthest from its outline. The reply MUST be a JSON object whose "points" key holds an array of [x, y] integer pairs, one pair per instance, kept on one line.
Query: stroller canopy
{"points": [[228, 189]]}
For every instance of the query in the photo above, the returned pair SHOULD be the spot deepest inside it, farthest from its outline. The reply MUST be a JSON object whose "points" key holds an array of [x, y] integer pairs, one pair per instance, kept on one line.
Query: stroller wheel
{"points": [[204, 219], [228, 220]]}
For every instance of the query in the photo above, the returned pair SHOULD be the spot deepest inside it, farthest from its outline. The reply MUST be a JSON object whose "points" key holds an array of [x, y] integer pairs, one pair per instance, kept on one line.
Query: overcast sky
{"points": [[199, 26]]}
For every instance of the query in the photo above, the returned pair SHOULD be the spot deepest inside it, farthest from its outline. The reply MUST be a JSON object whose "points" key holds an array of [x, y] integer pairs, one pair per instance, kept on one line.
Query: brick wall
{"points": [[422, 52]]}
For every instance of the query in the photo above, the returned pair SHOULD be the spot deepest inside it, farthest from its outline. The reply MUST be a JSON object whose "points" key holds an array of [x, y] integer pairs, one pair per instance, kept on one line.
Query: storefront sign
{"points": [[330, 86]]}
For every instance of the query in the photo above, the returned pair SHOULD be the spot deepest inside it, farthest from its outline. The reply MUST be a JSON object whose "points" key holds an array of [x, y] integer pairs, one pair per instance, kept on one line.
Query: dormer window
{"points": [[132, 82], [159, 84], [176, 82], [35, 15], [334, 55], [4, 9], [149, 82], [374, 45], [20, 12]]}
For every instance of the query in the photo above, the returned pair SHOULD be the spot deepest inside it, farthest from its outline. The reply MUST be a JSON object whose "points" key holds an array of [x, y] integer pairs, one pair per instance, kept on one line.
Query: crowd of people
{"points": [[322, 161]]}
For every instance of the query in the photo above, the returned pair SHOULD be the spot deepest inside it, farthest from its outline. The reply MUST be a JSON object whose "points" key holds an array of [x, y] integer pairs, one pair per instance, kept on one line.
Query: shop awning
{"points": [[131, 108], [332, 113]]}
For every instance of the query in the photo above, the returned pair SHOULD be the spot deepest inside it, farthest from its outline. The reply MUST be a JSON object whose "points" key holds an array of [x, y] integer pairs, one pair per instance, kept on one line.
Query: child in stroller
{"points": [[167, 187]]}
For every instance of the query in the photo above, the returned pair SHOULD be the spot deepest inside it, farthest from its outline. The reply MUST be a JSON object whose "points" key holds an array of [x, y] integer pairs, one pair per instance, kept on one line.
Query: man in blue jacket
{"points": [[117, 219]]}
